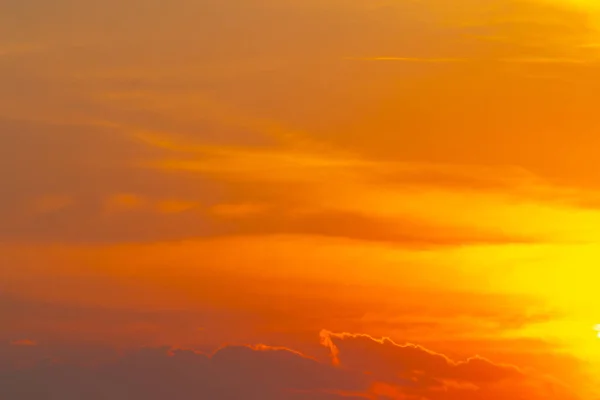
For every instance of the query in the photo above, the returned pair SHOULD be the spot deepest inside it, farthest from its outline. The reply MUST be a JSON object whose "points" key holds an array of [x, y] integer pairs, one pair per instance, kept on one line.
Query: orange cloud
{"points": [[236, 210], [52, 203], [24, 343], [131, 202], [124, 202], [409, 59], [176, 206]]}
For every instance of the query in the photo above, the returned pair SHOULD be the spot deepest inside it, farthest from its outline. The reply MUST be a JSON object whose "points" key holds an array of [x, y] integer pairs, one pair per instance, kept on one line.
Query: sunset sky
{"points": [[299, 199]]}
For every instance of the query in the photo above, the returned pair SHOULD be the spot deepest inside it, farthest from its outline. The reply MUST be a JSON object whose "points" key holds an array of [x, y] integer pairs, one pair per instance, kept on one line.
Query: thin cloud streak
{"points": [[535, 60]]}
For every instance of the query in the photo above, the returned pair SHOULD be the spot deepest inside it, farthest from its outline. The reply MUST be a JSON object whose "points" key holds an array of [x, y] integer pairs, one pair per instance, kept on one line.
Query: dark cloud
{"points": [[418, 372], [154, 373], [227, 313], [407, 362], [368, 368]]}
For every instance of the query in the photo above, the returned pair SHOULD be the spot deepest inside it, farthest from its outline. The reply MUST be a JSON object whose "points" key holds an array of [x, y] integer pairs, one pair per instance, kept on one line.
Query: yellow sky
{"points": [[256, 171]]}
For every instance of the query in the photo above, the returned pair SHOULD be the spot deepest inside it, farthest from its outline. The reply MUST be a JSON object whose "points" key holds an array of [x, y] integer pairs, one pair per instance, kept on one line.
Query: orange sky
{"points": [[307, 175]]}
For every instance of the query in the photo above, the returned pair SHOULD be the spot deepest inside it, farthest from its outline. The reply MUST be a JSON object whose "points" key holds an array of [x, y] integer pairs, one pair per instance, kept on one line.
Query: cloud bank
{"points": [[361, 367]]}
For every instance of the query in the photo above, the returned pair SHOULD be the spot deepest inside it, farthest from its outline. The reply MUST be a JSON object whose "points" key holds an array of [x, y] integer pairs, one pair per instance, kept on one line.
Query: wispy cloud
{"points": [[356, 185], [15, 49], [409, 59], [24, 343], [51, 203], [515, 60]]}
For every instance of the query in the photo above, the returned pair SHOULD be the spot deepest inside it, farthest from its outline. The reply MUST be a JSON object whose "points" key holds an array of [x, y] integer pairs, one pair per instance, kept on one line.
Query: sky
{"points": [[299, 199]]}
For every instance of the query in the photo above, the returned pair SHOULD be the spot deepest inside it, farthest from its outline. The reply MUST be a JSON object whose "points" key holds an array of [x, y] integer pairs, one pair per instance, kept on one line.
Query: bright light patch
{"points": [[583, 4]]}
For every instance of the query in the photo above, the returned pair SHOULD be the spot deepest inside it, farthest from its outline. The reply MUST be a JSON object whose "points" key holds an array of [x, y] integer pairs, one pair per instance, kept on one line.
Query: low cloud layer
{"points": [[362, 367]]}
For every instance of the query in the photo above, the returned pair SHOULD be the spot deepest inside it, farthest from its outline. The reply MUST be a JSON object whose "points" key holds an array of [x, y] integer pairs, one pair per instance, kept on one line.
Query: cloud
{"points": [[221, 304], [130, 202], [412, 371], [176, 206], [408, 59], [233, 372], [301, 161], [17, 49], [401, 231], [410, 360], [237, 210], [124, 202], [302, 192], [271, 164], [51, 203], [268, 139], [24, 343], [369, 368], [357, 196], [524, 60]]}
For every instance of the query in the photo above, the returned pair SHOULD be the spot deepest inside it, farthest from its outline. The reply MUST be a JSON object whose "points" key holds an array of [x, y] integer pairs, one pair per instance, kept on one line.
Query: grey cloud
{"points": [[154, 373], [241, 372]]}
